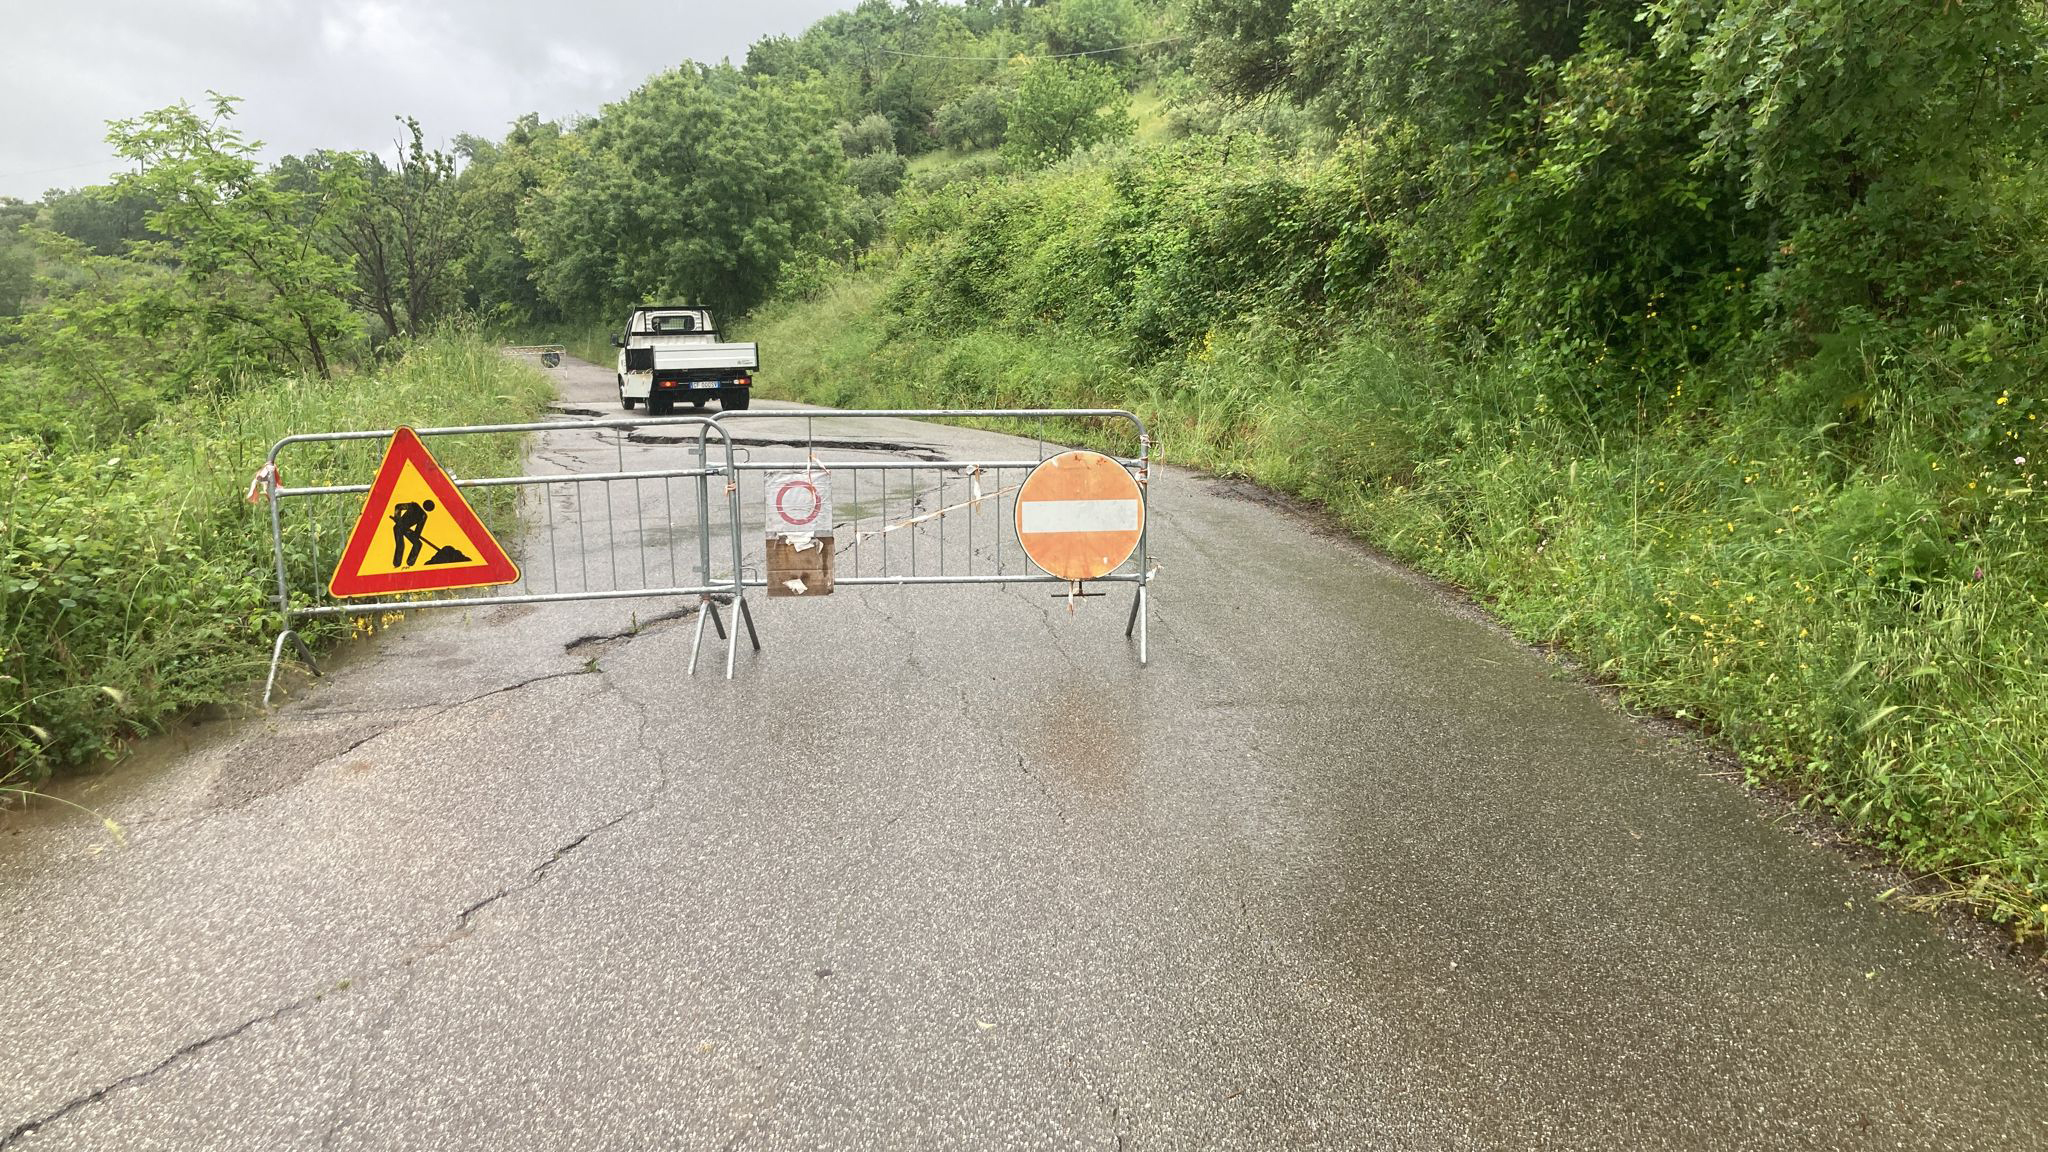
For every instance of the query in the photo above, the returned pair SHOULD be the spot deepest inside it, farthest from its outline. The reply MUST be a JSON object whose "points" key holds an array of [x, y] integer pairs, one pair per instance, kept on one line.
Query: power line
{"points": [[1048, 56]]}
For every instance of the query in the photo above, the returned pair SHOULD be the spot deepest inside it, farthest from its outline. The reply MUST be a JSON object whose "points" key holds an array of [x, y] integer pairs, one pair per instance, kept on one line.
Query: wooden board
{"points": [[813, 566]]}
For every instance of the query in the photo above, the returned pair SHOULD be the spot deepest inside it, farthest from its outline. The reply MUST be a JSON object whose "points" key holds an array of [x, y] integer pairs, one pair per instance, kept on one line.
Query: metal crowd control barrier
{"points": [[909, 515], [961, 502], [550, 354], [638, 554]]}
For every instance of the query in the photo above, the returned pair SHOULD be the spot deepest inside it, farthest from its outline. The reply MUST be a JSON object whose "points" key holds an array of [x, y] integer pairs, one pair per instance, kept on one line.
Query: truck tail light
{"points": [[745, 381]]}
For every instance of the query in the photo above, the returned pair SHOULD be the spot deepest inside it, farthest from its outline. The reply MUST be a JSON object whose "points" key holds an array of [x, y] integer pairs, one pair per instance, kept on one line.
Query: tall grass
{"points": [[136, 580], [1858, 617]]}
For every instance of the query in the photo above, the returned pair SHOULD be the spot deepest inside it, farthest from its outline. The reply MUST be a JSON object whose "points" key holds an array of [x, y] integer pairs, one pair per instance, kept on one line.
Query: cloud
{"points": [[334, 73]]}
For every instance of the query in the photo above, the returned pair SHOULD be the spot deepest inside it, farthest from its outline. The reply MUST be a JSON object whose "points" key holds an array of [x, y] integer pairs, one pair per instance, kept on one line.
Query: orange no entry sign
{"points": [[1080, 515]]}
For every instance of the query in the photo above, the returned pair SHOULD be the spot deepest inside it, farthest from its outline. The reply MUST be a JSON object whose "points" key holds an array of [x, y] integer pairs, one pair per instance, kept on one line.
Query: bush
{"points": [[975, 120], [1062, 107], [134, 580], [871, 134], [877, 173]]}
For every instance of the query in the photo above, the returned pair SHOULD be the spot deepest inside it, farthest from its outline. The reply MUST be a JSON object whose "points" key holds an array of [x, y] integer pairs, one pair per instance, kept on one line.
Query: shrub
{"points": [[134, 580]]}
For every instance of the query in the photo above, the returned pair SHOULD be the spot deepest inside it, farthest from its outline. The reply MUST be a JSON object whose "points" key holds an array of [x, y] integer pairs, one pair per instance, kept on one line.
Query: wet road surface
{"points": [[942, 868]]}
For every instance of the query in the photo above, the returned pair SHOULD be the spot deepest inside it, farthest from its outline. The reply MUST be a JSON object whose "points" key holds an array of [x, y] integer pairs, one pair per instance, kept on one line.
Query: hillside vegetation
{"points": [[1702, 338], [166, 332]]}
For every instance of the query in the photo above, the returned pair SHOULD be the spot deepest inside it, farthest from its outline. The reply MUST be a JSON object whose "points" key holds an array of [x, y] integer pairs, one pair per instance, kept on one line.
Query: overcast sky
{"points": [[333, 73]]}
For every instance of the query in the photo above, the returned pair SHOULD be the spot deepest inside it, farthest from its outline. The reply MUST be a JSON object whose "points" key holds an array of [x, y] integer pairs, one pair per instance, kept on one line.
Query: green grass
{"points": [[1149, 110], [137, 581], [945, 159], [1858, 618]]}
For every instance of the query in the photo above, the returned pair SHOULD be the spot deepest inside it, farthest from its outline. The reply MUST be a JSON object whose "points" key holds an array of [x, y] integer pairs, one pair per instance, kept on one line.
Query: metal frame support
{"points": [[277, 657], [742, 615], [1141, 615], [1140, 467], [267, 482]]}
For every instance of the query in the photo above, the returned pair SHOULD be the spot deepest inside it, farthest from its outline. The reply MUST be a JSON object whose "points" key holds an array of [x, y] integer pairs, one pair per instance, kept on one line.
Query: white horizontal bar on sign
{"points": [[1077, 516]]}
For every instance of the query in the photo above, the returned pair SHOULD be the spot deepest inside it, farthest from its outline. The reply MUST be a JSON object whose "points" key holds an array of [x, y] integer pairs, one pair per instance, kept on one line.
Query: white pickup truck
{"points": [[671, 354]]}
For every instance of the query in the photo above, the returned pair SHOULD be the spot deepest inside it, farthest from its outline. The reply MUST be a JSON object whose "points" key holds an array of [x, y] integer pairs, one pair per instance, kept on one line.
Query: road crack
{"points": [[138, 1079], [418, 712], [915, 451], [635, 629], [465, 919], [405, 961], [539, 872]]}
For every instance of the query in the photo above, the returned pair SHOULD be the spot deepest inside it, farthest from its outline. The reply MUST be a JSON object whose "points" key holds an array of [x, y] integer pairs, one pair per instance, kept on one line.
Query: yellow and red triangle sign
{"points": [[416, 532]]}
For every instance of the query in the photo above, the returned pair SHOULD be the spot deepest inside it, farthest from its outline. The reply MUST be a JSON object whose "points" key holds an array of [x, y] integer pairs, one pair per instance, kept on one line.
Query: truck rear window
{"points": [[662, 325]]}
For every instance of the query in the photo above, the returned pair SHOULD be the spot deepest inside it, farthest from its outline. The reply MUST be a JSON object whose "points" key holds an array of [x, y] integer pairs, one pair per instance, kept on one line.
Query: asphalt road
{"points": [[943, 868]]}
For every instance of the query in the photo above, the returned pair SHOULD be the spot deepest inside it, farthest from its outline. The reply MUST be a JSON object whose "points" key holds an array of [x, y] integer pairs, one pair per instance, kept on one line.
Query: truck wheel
{"points": [[625, 401], [735, 399]]}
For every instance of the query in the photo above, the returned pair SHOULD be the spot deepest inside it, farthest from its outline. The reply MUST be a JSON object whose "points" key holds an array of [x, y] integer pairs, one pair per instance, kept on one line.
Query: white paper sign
{"points": [[800, 504]]}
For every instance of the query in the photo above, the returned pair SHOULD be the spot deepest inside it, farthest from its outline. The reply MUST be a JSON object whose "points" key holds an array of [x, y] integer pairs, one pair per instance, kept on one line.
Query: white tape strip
{"points": [[1078, 516]]}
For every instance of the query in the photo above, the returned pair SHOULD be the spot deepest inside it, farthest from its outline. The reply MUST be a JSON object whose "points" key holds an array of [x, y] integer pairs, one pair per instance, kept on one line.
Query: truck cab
{"points": [[672, 354]]}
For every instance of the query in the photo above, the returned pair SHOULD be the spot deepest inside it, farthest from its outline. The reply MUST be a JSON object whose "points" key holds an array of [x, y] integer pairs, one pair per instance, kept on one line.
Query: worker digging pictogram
{"points": [[408, 526]]}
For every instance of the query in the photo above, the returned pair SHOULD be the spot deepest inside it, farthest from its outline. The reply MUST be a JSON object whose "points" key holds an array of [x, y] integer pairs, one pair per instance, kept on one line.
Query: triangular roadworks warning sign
{"points": [[417, 533]]}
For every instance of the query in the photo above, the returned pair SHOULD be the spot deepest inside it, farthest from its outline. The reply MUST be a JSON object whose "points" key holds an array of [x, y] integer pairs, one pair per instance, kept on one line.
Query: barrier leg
{"points": [[277, 658], [747, 615], [732, 648], [305, 653], [1141, 619], [697, 642]]}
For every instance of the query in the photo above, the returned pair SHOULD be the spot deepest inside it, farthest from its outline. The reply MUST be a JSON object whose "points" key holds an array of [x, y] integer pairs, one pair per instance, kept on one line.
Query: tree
{"points": [[901, 61], [1243, 46], [873, 166], [699, 185], [89, 304], [1874, 133], [872, 133], [100, 218], [17, 256], [1096, 26], [404, 233], [255, 281], [974, 120], [496, 179], [1458, 68], [1063, 106]]}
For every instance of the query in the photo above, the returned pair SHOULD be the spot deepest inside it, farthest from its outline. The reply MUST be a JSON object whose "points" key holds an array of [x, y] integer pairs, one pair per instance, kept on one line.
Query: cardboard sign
{"points": [[799, 546]]}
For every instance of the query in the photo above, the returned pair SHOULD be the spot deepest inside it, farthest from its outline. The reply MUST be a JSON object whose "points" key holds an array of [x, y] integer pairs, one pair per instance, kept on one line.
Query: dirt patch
{"points": [[272, 763]]}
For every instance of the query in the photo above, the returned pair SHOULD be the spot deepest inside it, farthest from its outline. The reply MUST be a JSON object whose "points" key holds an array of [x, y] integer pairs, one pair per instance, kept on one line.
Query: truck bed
{"points": [[707, 358]]}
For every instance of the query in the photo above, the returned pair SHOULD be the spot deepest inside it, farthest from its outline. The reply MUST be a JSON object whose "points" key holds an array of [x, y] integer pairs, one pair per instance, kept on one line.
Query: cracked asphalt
{"points": [[944, 868]]}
